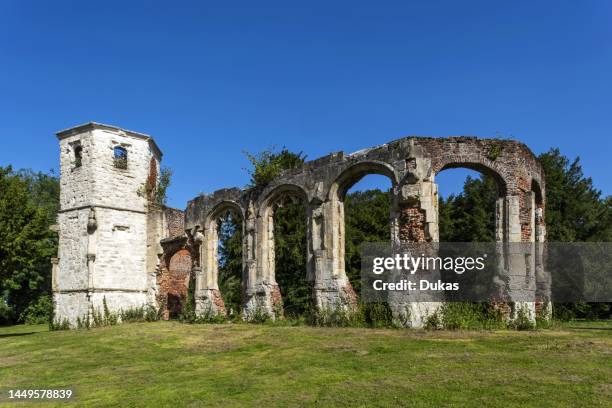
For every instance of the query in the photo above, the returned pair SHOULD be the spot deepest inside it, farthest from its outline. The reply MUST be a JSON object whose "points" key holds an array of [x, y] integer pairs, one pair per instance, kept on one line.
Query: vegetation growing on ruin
{"points": [[161, 192], [265, 166], [575, 211]]}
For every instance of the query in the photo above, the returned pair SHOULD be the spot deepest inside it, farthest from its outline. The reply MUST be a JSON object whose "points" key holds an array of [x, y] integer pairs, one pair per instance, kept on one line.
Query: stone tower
{"points": [[107, 177]]}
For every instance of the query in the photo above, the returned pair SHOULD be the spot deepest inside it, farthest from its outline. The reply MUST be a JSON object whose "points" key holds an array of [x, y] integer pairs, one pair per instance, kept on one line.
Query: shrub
{"points": [[187, 314], [7, 313], [104, 318], [260, 315], [544, 317], [56, 325], [521, 321], [336, 317], [377, 315], [38, 312], [470, 316], [209, 316], [433, 321]]}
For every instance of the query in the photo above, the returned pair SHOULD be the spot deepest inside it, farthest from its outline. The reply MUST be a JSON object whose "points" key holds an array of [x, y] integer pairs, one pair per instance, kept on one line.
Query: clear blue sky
{"points": [[209, 81]]}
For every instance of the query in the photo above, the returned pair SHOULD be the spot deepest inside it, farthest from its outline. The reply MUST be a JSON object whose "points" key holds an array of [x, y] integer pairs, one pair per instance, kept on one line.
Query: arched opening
{"points": [[366, 212], [286, 215], [375, 176], [470, 209], [367, 218], [467, 201], [174, 282], [229, 261], [223, 259]]}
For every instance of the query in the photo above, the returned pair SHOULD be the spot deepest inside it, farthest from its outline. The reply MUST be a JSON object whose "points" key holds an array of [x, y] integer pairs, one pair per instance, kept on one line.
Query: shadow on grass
{"points": [[15, 334], [588, 328]]}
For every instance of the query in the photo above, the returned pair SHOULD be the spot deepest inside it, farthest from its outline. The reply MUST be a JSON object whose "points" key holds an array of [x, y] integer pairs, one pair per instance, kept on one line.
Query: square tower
{"points": [[107, 177]]}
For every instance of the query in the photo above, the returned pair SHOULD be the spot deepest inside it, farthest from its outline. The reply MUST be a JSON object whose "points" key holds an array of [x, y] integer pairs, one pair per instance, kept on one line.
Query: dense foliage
{"points": [[28, 206], [575, 209], [366, 220], [470, 215], [230, 262], [269, 164], [290, 257]]}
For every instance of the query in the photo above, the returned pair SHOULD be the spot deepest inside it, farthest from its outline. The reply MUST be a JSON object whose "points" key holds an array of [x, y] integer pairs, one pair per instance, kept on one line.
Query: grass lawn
{"points": [[168, 363]]}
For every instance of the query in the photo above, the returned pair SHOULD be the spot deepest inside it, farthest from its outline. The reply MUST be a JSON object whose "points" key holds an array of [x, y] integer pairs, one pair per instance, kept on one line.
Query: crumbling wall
{"points": [[411, 164]]}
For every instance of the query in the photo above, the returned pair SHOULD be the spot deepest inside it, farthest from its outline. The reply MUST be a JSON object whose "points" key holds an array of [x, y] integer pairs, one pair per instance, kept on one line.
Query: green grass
{"points": [[173, 364]]}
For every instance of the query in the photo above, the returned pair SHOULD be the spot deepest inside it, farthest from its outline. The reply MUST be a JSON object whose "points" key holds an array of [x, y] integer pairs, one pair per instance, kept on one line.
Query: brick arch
{"points": [[480, 165], [173, 281]]}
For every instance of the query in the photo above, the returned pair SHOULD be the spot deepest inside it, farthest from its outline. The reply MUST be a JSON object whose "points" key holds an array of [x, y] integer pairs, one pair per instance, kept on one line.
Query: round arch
{"points": [[356, 172], [173, 282], [279, 191], [224, 207], [480, 167]]}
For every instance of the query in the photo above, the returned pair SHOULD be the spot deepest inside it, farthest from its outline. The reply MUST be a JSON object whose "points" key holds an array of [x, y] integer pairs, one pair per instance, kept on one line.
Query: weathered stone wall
{"points": [[103, 221], [115, 244], [411, 165], [175, 222]]}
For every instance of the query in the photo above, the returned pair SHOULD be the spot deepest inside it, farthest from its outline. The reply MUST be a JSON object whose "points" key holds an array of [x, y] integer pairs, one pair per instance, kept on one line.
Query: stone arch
{"points": [[209, 295], [276, 193], [266, 270], [351, 175], [335, 201], [483, 166], [223, 207]]}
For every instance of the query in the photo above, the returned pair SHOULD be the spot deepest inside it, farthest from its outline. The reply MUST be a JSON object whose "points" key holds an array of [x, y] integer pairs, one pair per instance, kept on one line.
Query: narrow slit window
{"points": [[121, 157], [78, 156]]}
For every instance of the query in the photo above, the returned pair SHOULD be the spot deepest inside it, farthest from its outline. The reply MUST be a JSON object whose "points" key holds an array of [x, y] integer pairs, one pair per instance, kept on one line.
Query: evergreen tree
{"points": [[366, 220], [470, 215], [290, 257], [230, 262], [28, 203], [575, 210]]}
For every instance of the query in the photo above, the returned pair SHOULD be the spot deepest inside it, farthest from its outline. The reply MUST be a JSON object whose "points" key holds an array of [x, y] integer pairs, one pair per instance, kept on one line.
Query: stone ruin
{"points": [[116, 244]]}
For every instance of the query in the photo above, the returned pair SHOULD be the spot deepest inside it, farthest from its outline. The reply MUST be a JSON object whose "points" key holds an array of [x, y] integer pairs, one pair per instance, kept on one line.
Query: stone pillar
{"points": [[331, 287], [54, 272], [543, 304], [519, 258], [208, 297], [418, 223], [262, 293]]}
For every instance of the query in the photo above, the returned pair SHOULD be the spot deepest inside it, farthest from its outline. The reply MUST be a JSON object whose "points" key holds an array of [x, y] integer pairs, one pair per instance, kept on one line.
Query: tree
{"points": [[366, 220], [289, 231], [269, 164], [28, 204], [470, 215], [575, 210], [230, 262]]}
